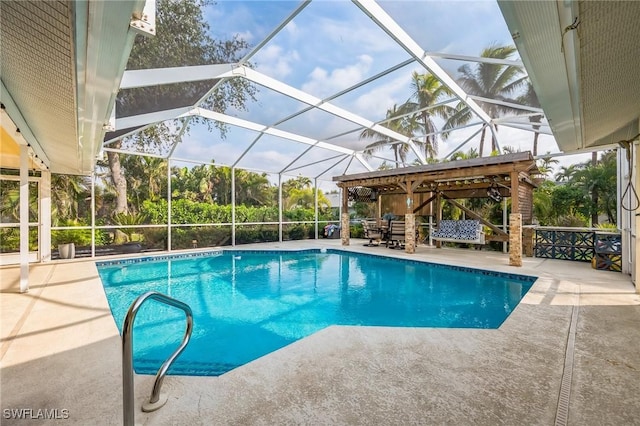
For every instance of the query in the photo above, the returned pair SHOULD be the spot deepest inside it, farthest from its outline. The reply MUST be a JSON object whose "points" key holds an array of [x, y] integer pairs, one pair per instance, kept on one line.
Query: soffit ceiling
{"points": [[582, 58], [60, 67], [37, 69]]}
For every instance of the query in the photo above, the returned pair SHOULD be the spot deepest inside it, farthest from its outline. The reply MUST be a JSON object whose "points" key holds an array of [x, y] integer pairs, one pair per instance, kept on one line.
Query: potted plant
{"points": [[67, 250], [66, 239], [129, 219]]}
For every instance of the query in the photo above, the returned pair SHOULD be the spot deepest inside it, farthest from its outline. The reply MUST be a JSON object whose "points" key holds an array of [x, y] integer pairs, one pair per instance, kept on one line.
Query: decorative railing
{"points": [[603, 249]]}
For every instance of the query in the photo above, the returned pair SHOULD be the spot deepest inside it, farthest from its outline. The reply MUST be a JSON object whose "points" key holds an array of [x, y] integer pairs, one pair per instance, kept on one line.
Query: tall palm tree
{"points": [[428, 91], [492, 81], [251, 188], [567, 173], [546, 165], [299, 182], [68, 191], [599, 182], [531, 98], [156, 171], [398, 122]]}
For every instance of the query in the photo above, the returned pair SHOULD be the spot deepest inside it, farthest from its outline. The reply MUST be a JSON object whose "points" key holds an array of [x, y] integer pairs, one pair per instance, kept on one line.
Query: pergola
{"points": [[422, 186]]}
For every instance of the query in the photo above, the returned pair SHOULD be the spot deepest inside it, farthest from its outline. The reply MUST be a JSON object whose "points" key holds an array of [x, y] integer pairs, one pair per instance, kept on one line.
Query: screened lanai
{"points": [[313, 90]]}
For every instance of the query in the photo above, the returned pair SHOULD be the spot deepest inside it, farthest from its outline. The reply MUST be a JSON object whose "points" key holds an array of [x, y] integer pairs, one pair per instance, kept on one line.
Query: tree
{"points": [[459, 155], [567, 173], [252, 189], [531, 98], [147, 178], [397, 122], [182, 38], [598, 181], [543, 202], [582, 193], [300, 182], [487, 80], [545, 165], [68, 196], [305, 198], [427, 92]]}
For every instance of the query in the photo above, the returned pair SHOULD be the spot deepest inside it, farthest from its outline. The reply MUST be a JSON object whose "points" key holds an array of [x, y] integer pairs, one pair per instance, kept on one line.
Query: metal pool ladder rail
{"points": [[156, 400]]}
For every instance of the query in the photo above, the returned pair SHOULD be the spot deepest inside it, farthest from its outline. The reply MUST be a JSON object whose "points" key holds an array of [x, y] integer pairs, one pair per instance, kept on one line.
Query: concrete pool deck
{"points": [[568, 354]]}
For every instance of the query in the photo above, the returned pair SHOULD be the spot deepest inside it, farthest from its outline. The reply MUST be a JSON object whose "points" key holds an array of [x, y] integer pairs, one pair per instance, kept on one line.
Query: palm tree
{"points": [[300, 182], [567, 173], [492, 81], [156, 171], [546, 165], [252, 188], [531, 98], [428, 91], [68, 191], [508, 149], [599, 181], [397, 122], [543, 202], [459, 155]]}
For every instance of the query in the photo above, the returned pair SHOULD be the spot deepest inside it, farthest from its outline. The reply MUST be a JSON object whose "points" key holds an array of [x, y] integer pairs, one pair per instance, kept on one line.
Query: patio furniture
{"points": [[459, 231], [396, 234], [332, 231], [372, 232]]}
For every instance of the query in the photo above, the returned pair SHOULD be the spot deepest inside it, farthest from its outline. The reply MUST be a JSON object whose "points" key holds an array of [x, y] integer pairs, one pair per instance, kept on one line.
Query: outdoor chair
{"points": [[396, 234], [372, 232]]}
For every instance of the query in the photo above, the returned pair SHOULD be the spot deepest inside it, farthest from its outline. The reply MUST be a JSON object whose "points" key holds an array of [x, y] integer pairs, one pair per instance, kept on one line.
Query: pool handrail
{"points": [[127, 356]]}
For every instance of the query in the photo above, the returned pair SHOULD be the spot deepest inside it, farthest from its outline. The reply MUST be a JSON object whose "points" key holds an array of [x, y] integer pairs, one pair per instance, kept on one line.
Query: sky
{"points": [[333, 45]]}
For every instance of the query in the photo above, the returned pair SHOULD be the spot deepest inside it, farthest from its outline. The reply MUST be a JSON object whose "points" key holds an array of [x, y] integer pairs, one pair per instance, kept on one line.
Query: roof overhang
{"points": [[61, 66], [581, 57]]}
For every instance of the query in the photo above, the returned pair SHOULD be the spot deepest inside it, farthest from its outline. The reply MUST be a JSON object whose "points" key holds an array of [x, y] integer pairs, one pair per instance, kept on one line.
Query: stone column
{"points": [[515, 239], [344, 217], [409, 222], [410, 233], [344, 229]]}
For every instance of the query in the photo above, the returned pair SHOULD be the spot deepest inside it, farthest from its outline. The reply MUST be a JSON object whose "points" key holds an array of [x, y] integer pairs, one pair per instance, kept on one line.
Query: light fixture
{"points": [[493, 192]]}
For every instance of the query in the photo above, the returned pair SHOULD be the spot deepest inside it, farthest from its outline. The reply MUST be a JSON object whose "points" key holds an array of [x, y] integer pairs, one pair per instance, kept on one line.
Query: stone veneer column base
{"points": [[515, 239], [344, 229], [410, 233]]}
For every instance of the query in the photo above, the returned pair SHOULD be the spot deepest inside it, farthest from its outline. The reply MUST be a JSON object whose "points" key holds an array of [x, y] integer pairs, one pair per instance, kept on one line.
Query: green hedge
{"points": [[186, 211]]}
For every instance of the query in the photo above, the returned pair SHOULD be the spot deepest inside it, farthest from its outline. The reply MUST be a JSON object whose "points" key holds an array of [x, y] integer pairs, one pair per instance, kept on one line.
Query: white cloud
{"points": [[275, 62], [323, 83], [270, 159], [292, 29], [246, 35], [379, 99]]}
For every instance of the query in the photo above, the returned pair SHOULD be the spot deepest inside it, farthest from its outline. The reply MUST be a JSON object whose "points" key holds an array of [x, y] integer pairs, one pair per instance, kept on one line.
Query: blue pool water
{"points": [[247, 304]]}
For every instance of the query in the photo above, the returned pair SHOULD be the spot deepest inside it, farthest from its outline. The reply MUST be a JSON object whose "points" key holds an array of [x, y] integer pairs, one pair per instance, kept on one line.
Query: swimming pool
{"points": [[247, 304]]}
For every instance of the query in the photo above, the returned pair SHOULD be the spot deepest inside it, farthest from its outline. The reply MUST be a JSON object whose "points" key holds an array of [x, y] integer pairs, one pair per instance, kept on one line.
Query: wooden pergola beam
{"points": [[486, 172], [424, 203]]}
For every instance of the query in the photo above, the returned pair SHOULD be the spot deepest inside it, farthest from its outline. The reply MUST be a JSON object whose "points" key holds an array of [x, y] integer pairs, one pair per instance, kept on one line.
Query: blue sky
{"points": [[333, 45]]}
